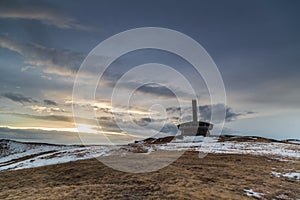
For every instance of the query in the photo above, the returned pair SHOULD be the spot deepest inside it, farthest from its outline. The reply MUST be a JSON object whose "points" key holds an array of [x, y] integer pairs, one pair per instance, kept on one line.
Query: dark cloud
{"points": [[45, 117], [144, 121], [175, 112], [158, 90], [108, 124], [62, 62], [53, 118], [185, 114], [45, 13], [18, 98], [230, 115], [104, 118], [50, 102], [173, 109], [101, 109], [169, 128], [150, 88]]}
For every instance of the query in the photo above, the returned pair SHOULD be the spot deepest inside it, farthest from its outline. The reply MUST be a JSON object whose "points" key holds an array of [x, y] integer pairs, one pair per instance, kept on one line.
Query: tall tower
{"points": [[194, 105]]}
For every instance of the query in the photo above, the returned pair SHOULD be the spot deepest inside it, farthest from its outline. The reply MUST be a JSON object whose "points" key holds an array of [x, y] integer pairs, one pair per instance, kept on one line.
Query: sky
{"points": [[255, 45]]}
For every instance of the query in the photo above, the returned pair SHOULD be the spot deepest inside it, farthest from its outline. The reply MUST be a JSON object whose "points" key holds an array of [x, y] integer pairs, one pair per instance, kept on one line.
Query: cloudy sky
{"points": [[255, 45]]}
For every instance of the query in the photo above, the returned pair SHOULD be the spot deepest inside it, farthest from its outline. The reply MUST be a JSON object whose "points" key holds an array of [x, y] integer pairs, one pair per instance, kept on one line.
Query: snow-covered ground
{"points": [[211, 145], [19, 155], [16, 155]]}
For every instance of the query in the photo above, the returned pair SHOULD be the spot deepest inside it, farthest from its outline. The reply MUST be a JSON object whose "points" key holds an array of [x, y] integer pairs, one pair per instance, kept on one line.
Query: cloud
{"points": [[162, 91], [173, 111], [33, 135], [108, 124], [50, 102], [170, 129], [41, 109], [156, 89], [46, 117], [46, 14], [144, 121], [18, 98], [54, 118], [149, 88], [205, 112], [62, 62]]}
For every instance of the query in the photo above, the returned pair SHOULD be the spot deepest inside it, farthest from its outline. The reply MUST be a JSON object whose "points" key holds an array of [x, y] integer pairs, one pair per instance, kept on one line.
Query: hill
{"points": [[217, 176]]}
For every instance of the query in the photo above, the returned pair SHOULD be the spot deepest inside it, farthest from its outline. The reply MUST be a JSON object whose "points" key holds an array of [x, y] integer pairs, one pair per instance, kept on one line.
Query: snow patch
{"points": [[211, 145], [276, 174], [291, 175], [251, 193]]}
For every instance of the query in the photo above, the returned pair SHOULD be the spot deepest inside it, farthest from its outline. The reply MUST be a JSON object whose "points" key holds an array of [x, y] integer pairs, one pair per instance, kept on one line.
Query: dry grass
{"points": [[225, 138], [213, 177]]}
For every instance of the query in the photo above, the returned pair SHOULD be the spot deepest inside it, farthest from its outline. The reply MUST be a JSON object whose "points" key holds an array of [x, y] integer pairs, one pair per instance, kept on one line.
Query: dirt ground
{"points": [[217, 176]]}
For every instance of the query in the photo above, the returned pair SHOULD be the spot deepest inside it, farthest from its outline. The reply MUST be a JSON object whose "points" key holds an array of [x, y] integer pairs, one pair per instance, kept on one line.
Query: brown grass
{"points": [[213, 177], [225, 138]]}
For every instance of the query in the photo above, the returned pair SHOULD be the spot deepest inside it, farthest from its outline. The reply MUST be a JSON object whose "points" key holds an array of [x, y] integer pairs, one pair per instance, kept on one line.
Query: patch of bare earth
{"points": [[213, 177]]}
